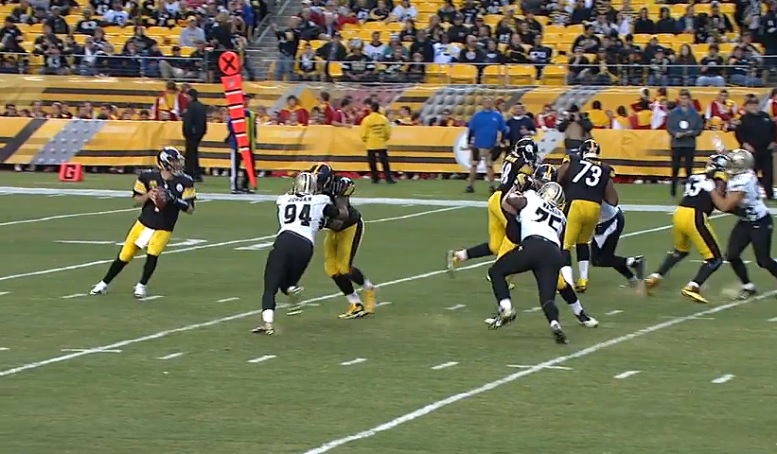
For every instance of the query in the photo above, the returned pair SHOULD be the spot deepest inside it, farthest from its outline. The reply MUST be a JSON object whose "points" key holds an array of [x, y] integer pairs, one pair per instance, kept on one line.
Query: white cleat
{"points": [[101, 288], [140, 291], [295, 294], [586, 320]]}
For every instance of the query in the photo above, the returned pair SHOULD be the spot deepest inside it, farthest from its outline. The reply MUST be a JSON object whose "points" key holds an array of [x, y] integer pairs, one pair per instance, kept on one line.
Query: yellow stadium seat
{"points": [[6, 9], [641, 40], [727, 8], [427, 7], [349, 26], [520, 75], [372, 26], [554, 30], [72, 20], [683, 38], [678, 11], [576, 30], [492, 19], [654, 11], [552, 38], [460, 73], [436, 74], [335, 70], [393, 27], [554, 75], [727, 48], [36, 29], [493, 75]]}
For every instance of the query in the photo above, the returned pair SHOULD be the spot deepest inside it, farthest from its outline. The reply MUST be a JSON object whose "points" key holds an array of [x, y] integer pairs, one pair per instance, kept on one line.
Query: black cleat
{"points": [[558, 333], [639, 266], [469, 190], [746, 293]]}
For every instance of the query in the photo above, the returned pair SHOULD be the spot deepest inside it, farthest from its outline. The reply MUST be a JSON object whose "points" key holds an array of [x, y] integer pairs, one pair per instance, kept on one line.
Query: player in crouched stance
{"points": [[542, 224], [301, 214], [163, 194], [606, 237], [755, 225]]}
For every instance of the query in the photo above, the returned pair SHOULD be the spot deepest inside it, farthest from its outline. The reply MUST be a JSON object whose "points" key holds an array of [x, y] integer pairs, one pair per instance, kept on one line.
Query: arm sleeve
{"points": [[331, 211]]}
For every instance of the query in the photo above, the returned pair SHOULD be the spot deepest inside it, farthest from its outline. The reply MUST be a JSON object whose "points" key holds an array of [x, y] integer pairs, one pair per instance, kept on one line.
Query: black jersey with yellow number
{"points": [[512, 167], [180, 187], [342, 189], [697, 198], [587, 179]]}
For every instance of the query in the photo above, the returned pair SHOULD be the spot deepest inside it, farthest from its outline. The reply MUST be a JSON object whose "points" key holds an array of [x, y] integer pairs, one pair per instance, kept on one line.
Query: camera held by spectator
{"points": [[576, 128]]}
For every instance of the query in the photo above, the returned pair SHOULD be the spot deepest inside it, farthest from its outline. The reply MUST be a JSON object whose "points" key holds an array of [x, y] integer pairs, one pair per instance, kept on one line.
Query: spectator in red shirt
{"points": [[343, 116], [292, 105], [326, 108]]}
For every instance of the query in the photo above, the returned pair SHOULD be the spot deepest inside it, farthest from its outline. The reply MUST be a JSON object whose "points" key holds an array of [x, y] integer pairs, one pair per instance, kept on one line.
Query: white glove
{"points": [[708, 185]]}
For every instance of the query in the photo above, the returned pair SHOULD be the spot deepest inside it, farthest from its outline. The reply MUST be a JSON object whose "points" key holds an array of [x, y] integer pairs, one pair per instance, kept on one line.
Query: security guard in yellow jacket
{"points": [[376, 132]]}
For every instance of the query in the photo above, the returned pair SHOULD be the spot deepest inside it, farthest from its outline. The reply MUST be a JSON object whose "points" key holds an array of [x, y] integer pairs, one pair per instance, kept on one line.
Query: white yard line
{"points": [[4, 293], [104, 350], [172, 355], [435, 406], [383, 303], [2, 349], [151, 298], [227, 300], [415, 215], [456, 307], [353, 361], [532, 309], [262, 359], [531, 366], [74, 295], [772, 319], [615, 312], [66, 216], [626, 374], [723, 379], [182, 329], [444, 365]]}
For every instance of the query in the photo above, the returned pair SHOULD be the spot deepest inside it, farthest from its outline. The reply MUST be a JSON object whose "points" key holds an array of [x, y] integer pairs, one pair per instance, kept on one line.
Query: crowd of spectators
{"points": [[169, 38], [604, 54]]}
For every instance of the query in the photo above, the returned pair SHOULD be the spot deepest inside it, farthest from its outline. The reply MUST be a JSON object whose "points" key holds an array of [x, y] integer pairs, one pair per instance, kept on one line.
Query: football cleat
{"points": [[101, 288], [451, 261], [581, 285], [558, 333], [501, 319], [652, 280], [140, 291], [265, 328], [586, 320], [295, 305], [746, 293], [369, 300], [639, 267], [693, 292], [354, 311]]}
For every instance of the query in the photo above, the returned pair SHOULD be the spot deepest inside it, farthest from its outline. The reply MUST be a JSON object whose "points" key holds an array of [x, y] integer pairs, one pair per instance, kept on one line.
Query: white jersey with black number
{"points": [[608, 212], [540, 218], [302, 214], [752, 204]]}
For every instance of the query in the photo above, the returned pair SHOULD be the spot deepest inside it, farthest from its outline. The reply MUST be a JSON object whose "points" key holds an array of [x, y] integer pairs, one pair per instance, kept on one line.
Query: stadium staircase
{"points": [[265, 49]]}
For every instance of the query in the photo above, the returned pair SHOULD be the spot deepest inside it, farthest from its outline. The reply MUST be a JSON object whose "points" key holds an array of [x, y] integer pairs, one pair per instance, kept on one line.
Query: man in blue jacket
{"points": [[486, 129]]}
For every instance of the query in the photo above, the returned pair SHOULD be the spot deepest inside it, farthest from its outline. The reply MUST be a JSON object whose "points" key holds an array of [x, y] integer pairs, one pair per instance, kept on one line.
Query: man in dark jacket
{"points": [[684, 125], [756, 134], [195, 126]]}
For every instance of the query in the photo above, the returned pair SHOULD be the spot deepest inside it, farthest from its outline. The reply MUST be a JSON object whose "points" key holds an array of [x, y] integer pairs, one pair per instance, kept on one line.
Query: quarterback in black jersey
{"points": [[163, 194], [343, 237], [517, 167]]}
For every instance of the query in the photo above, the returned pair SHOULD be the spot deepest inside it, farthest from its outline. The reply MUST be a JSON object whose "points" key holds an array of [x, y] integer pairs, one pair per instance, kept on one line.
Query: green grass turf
{"points": [[212, 400]]}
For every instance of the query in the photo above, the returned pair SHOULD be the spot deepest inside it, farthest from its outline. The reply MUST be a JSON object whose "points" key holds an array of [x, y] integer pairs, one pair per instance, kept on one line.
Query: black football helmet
{"points": [[324, 175], [590, 149], [545, 173], [171, 160], [526, 149]]}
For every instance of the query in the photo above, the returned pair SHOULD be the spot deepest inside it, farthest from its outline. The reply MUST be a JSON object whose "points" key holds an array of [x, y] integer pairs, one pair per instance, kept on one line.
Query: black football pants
{"points": [[764, 163], [759, 234], [286, 263]]}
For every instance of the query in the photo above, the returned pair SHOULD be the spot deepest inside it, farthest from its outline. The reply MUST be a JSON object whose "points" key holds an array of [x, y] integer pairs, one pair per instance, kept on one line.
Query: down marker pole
{"points": [[229, 64]]}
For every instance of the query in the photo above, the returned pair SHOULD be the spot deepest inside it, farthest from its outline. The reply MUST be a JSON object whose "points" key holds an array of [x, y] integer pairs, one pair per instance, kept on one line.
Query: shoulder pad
{"points": [[738, 183], [526, 170], [566, 159], [723, 176], [611, 171]]}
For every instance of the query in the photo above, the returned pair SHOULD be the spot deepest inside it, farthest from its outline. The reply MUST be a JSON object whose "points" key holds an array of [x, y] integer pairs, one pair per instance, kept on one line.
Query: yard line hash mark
{"points": [[4, 293], [723, 379], [773, 319], [262, 359], [615, 312], [227, 300], [171, 355], [151, 298], [445, 365], [217, 321], [103, 350], [626, 374], [66, 216], [74, 295], [353, 361], [531, 366], [456, 307], [383, 303], [532, 309], [2, 349], [434, 406], [193, 248]]}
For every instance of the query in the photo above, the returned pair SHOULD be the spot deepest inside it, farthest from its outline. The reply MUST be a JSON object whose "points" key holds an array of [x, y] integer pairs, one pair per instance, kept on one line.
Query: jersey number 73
{"points": [[591, 172]]}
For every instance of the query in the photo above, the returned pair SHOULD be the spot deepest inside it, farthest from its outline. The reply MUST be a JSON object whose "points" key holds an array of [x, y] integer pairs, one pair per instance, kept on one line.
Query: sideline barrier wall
{"points": [[411, 149]]}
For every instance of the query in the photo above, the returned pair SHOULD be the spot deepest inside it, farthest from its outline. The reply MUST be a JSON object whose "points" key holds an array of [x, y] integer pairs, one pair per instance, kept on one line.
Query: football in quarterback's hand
{"points": [[159, 198]]}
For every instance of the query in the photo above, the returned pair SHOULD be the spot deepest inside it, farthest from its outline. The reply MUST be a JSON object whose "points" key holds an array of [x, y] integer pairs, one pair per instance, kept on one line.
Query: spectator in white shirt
{"points": [[445, 51], [173, 7], [191, 34], [117, 15], [404, 11]]}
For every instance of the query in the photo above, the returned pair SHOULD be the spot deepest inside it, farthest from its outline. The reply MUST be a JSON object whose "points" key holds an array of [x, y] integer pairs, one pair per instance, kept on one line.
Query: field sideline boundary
{"points": [[271, 198], [241, 315]]}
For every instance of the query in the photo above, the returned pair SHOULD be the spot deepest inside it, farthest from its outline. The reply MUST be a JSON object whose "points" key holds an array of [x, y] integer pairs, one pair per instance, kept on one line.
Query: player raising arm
{"points": [[755, 225], [542, 224], [301, 215], [163, 194], [691, 226], [587, 182]]}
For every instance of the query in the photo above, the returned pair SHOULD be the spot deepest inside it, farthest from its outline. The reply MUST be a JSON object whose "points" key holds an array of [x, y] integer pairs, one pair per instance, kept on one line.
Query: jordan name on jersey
{"points": [[302, 214], [540, 218], [752, 204]]}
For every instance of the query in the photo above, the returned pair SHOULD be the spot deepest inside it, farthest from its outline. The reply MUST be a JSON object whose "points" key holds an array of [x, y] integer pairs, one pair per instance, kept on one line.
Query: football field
{"points": [[181, 373]]}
